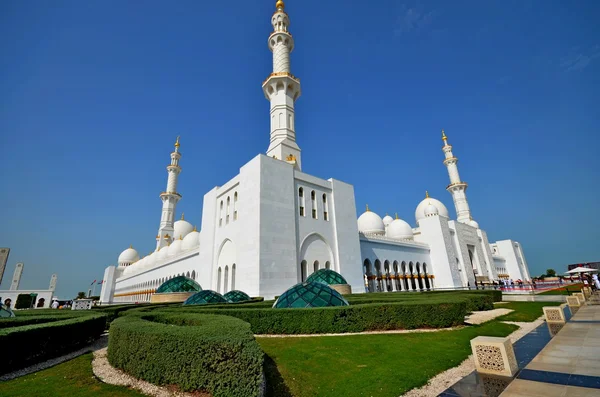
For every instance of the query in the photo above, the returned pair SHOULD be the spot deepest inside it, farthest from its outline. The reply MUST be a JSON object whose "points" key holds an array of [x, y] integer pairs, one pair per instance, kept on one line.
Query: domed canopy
{"points": [[128, 257], [399, 229], [370, 222], [174, 248], [327, 276], [179, 284], [236, 296], [310, 294], [181, 228], [420, 211], [387, 220], [191, 241], [204, 297]]}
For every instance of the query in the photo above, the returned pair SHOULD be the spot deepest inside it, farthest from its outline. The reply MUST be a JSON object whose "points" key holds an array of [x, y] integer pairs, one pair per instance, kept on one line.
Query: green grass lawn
{"points": [[366, 365], [566, 290], [73, 378], [524, 311]]}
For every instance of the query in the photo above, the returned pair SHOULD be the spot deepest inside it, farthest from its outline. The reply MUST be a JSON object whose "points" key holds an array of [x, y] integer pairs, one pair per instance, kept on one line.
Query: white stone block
{"points": [[554, 314], [82, 304], [494, 356], [573, 303]]}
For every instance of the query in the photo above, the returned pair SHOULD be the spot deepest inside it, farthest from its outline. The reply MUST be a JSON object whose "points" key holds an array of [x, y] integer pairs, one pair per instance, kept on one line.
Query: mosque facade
{"points": [[272, 225]]}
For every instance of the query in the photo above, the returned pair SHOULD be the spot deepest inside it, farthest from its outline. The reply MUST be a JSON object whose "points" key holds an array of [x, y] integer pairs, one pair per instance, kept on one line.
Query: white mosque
{"points": [[272, 225]]}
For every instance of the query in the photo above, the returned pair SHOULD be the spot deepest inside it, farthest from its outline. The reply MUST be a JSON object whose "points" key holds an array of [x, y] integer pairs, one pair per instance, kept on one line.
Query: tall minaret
{"points": [[170, 197], [282, 88], [457, 188]]}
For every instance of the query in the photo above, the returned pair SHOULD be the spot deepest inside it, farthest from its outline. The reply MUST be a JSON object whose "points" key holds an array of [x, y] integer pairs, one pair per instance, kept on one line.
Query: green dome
{"points": [[179, 284], [310, 294], [204, 297], [236, 296], [327, 276]]}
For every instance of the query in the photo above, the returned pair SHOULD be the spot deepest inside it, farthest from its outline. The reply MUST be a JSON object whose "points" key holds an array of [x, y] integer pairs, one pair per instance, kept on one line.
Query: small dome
{"points": [[236, 296], [370, 222], [151, 259], [474, 224], [179, 284], [191, 241], [399, 229], [387, 220], [310, 294], [128, 257], [205, 297], [162, 253], [420, 211], [174, 248], [181, 228], [326, 276], [431, 210]]}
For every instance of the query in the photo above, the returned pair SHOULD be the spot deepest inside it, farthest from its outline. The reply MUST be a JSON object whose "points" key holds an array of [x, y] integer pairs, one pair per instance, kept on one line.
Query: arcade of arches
{"points": [[396, 276], [142, 292]]}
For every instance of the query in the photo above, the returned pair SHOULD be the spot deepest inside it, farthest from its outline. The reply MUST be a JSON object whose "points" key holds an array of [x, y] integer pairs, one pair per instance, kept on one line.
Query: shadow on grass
{"points": [[276, 386]]}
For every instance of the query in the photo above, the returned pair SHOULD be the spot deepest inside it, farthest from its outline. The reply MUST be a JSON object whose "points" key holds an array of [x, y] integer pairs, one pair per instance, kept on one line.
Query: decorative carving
{"points": [[489, 357], [553, 315], [494, 356]]}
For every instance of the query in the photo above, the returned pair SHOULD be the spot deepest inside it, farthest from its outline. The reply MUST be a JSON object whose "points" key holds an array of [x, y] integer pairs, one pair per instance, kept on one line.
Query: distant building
{"points": [[42, 298], [591, 265]]}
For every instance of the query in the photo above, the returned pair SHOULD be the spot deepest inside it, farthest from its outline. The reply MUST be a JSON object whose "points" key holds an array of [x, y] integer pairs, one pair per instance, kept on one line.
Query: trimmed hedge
{"points": [[434, 313], [29, 344], [206, 352]]}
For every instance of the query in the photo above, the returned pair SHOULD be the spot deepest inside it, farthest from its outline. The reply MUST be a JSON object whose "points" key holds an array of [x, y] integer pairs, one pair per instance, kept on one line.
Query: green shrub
{"points": [[29, 344], [24, 301], [434, 313], [206, 352]]}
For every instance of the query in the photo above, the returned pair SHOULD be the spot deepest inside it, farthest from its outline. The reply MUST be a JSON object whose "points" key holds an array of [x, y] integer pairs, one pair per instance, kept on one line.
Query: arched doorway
{"points": [[303, 271], [379, 275], [419, 279], [397, 281], [368, 271], [315, 251], [388, 278], [427, 283], [413, 284], [404, 279], [41, 302]]}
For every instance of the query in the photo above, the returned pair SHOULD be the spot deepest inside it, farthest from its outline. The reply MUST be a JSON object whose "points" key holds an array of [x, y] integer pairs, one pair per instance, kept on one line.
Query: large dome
{"points": [[191, 241], [370, 222], [128, 257], [399, 229], [179, 284], [420, 211], [310, 294], [205, 297], [387, 220], [236, 296], [181, 228], [326, 276]]}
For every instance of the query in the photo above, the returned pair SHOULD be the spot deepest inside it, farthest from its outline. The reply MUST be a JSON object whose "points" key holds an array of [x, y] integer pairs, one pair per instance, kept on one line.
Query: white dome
{"points": [[151, 259], [128, 257], [370, 222], [181, 229], [399, 229], [162, 254], [387, 220], [474, 224], [191, 241], [420, 211], [174, 248], [431, 210]]}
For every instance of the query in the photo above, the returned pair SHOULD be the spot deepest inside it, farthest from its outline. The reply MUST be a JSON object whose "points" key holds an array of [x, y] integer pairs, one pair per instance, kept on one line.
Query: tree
{"points": [[80, 295], [551, 273]]}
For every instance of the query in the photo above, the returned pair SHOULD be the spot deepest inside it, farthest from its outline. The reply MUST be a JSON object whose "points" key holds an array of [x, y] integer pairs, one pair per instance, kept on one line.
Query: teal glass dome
{"points": [[179, 284], [236, 296], [327, 276], [205, 297], [310, 294]]}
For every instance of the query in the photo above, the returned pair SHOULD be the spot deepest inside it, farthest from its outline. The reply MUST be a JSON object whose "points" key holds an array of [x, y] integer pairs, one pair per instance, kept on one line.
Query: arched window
{"points": [[233, 277], [315, 266], [221, 214], [325, 208], [219, 280], [301, 201], [327, 265], [235, 199], [226, 279], [303, 271], [187, 274], [193, 274], [313, 198], [227, 213]]}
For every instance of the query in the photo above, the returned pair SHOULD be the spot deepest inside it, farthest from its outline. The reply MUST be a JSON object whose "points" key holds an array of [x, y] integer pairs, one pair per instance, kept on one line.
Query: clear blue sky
{"points": [[95, 92]]}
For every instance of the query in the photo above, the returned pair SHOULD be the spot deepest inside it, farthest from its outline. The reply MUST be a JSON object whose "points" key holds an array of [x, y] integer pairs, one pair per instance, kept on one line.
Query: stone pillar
{"points": [[494, 356]]}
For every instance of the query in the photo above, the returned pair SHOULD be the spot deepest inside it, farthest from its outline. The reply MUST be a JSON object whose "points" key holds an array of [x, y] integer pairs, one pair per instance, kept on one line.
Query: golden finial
{"points": [[131, 246], [368, 208], [279, 5], [426, 194], [397, 216], [444, 137], [180, 237], [195, 230], [182, 218], [177, 142]]}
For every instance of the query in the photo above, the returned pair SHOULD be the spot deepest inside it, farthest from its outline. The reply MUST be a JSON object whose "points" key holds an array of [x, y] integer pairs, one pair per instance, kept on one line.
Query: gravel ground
{"points": [[107, 374], [442, 381], [98, 344], [483, 316]]}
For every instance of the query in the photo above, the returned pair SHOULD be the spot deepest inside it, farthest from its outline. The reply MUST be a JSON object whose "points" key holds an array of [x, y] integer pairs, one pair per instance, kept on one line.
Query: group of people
{"points": [[592, 281]]}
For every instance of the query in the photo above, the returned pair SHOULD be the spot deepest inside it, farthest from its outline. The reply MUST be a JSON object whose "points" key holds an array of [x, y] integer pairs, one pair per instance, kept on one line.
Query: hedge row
{"points": [[29, 344], [436, 313], [206, 352]]}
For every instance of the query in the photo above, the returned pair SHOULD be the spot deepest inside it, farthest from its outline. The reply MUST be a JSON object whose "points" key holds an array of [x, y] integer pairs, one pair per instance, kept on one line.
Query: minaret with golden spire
{"points": [[169, 198], [282, 89], [456, 188]]}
